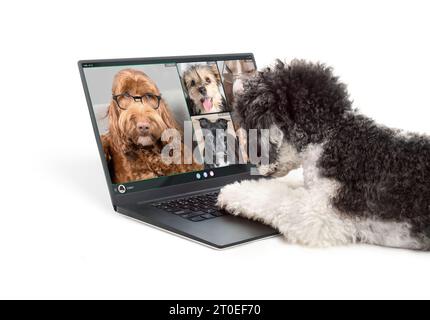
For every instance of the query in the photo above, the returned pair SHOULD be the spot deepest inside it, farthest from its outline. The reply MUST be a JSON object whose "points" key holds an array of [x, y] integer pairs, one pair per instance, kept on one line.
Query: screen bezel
{"points": [[139, 185]]}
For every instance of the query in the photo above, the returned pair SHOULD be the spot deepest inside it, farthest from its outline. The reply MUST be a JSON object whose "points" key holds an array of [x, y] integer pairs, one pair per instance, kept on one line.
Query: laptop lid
{"points": [[137, 105]]}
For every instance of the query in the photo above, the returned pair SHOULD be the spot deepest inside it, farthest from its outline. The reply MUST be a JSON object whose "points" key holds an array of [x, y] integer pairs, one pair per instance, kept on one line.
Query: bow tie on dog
{"points": [[363, 182]]}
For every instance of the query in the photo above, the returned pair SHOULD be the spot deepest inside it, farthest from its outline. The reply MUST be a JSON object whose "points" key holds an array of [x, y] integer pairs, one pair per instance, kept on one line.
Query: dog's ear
{"points": [[215, 72], [253, 107], [119, 85], [118, 139], [116, 136], [167, 116], [106, 144], [184, 84], [223, 123], [263, 101], [203, 122]]}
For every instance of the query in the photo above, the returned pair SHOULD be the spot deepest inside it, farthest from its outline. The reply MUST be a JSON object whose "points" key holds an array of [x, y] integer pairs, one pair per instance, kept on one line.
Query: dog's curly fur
{"points": [[133, 154], [372, 183]]}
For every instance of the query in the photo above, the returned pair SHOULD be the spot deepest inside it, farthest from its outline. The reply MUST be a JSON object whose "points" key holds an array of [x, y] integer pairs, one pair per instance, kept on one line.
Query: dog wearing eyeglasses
{"points": [[202, 83], [363, 182], [138, 116]]}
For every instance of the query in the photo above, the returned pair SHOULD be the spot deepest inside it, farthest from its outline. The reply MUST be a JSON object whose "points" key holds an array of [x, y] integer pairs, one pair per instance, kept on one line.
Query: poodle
{"points": [[363, 182]]}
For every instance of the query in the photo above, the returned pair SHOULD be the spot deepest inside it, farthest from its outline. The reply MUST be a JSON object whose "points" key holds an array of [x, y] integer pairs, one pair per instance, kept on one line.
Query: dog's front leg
{"points": [[303, 215], [254, 199]]}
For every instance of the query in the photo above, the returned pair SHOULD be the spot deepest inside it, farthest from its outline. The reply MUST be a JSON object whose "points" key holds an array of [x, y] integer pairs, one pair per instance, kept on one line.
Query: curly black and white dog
{"points": [[363, 183]]}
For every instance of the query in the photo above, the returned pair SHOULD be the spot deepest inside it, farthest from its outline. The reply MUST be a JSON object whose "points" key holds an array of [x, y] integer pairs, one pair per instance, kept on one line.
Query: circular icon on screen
{"points": [[198, 176], [211, 173], [122, 189], [205, 174]]}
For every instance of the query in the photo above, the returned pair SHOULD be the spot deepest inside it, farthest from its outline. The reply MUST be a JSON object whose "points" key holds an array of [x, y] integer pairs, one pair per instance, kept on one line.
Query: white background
{"points": [[59, 237]]}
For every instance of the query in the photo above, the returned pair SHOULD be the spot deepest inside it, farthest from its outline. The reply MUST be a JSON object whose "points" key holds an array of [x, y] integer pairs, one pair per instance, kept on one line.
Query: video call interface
{"points": [[134, 104]]}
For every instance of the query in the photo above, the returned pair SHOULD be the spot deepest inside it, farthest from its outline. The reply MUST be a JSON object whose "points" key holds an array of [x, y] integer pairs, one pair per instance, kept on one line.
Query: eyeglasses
{"points": [[123, 100]]}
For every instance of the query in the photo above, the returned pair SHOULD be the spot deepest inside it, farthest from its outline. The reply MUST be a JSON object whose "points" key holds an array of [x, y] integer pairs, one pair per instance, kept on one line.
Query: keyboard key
{"points": [[217, 214], [192, 214], [197, 219], [195, 208], [209, 210], [181, 212]]}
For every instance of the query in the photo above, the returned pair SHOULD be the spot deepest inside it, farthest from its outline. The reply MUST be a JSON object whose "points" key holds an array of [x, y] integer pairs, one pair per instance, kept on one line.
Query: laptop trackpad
{"points": [[220, 232]]}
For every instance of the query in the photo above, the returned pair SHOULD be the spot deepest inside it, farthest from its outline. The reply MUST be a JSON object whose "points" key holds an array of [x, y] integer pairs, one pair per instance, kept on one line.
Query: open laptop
{"points": [[129, 99]]}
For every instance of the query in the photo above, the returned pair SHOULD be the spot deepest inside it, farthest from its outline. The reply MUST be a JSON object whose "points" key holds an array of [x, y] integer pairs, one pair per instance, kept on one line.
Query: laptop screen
{"points": [[167, 122]]}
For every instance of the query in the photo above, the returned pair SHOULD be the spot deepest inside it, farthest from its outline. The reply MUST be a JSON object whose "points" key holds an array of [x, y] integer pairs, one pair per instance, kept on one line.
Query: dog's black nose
{"points": [[202, 90]]}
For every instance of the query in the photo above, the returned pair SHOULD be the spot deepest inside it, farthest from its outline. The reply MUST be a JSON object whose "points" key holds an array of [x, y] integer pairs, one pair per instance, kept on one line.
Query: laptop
{"points": [[133, 103]]}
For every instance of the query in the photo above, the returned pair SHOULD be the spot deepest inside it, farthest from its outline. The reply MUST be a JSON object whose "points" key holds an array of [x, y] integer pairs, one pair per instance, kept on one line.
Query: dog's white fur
{"points": [[303, 213]]}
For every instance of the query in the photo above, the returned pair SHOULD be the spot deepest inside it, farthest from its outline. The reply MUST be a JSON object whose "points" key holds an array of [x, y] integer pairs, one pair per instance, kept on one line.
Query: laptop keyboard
{"points": [[194, 208]]}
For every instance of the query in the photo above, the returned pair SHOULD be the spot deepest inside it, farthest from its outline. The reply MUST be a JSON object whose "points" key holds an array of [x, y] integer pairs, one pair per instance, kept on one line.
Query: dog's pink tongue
{"points": [[207, 104]]}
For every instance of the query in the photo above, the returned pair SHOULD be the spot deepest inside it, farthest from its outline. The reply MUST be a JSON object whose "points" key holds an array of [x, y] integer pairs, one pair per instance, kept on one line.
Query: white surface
{"points": [[59, 237]]}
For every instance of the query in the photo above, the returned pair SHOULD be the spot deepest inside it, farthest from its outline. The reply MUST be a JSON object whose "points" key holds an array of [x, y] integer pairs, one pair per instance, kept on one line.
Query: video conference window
{"points": [[203, 88], [213, 132], [135, 105], [233, 73]]}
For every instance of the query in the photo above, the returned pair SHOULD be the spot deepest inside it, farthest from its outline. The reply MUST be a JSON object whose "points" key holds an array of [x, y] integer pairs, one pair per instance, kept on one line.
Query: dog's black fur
{"points": [[211, 130], [213, 126], [384, 174]]}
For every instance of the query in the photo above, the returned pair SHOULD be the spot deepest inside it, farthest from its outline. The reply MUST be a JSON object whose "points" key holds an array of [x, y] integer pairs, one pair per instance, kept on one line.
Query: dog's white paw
{"points": [[227, 198], [233, 199], [252, 199]]}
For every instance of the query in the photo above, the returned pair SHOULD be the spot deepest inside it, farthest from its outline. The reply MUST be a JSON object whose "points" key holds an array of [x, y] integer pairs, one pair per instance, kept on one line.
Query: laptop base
{"points": [[219, 233]]}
